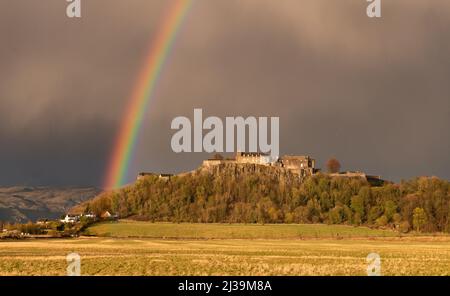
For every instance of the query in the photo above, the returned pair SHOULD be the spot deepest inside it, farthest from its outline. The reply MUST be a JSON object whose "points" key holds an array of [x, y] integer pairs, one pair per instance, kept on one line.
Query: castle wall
{"points": [[300, 165], [253, 158]]}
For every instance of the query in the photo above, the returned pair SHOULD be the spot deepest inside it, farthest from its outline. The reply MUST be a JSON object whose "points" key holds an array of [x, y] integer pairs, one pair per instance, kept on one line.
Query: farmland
{"points": [[127, 228], [270, 251]]}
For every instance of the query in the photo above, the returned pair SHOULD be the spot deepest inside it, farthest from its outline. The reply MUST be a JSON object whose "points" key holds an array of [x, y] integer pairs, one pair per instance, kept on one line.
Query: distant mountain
{"points": [[22, 204]]}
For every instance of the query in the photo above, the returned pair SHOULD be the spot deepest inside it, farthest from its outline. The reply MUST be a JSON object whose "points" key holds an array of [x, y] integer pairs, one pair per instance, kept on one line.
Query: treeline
{"points": [[50, 228], [269, 195], [29, 228]]}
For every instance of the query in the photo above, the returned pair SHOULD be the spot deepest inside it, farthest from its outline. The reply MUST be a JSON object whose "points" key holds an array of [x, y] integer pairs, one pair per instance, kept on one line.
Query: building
{"points": [[253, 158], [300, 165], [42, 222], [71, 219], [213, 162], [161, 176], [89, 216], [108, 216], [373, 180], [349, 174], [242, 158]]}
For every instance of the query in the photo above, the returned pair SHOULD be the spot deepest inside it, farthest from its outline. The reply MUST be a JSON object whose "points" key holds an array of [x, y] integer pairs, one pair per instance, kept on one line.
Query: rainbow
{"points": [[160, 49]]}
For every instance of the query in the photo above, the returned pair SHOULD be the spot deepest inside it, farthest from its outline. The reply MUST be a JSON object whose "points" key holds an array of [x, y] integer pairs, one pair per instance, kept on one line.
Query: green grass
{"points": [[135, 229]]}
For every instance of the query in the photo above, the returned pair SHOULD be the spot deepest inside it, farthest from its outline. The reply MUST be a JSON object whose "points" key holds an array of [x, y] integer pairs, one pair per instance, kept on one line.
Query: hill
{"points": [[22, 204], [250, 193]]}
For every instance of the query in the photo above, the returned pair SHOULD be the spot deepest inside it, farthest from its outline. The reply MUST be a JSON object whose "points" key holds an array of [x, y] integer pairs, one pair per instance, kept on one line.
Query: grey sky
{"points": [[373, 93]]}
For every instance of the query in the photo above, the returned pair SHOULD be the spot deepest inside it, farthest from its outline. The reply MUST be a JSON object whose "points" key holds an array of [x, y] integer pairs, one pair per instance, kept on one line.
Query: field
{"points": [[231, 231], [198, 250]]}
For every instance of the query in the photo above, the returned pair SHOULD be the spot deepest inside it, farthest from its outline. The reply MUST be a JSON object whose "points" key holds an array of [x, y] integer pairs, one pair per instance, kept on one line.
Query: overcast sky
{"points": [[374, 93]]}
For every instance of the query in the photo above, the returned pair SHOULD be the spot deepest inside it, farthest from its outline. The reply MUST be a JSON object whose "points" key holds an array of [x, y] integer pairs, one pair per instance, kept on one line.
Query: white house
{"points": [[89, 215], [71, 219]]}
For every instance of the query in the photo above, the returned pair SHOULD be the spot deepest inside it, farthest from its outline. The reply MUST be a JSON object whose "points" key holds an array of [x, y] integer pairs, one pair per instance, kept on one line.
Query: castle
{"points": [[302, 166]]}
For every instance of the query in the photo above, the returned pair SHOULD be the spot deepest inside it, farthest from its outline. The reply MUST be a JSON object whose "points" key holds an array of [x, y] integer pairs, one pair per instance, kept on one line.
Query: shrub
{"points": [[404, 227]]}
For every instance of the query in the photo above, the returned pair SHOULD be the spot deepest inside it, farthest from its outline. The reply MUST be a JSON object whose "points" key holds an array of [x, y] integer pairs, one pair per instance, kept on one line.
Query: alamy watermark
{"points": [[74, 8], [190, 138], [73, 264], [373, 264], [374, 8]]}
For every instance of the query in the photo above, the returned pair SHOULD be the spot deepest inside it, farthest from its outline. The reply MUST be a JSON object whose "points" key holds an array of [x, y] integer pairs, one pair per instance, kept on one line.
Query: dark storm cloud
{"points": [[373, 93]]}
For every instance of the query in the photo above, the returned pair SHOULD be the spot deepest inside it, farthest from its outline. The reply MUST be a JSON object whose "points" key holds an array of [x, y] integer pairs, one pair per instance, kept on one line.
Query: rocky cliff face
{"points": [[236, 170], [21, 204]]}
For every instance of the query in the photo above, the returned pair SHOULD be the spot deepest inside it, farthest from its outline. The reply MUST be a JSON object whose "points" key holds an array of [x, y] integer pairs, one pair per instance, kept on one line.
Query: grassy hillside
{"points": [[231, 231], [236, 193], [22, 204], [114, 256]]}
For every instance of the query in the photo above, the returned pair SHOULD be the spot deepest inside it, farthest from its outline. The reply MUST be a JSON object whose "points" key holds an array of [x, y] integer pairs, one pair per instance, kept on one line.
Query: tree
{"points": [[333, 165], [245, 194], [325, 201], [390, 209], [374, 213], [397, 218], [336, 215], [382, 221], [357, 205], [419, 218], [404, 227]]}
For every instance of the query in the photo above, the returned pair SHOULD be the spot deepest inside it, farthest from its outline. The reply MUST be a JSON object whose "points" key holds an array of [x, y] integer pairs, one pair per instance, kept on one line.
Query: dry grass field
{"points": [[261, 256]]}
